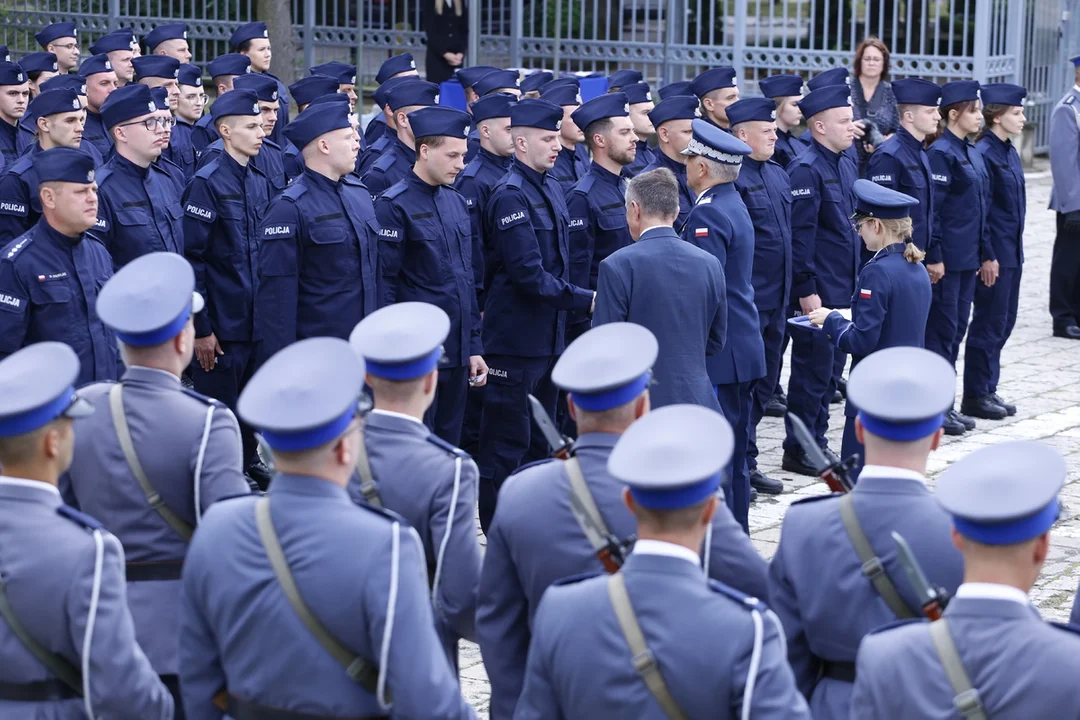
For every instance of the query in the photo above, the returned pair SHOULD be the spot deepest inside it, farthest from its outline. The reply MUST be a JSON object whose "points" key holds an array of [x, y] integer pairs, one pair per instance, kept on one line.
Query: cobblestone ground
{"points": [[1040, 373]]}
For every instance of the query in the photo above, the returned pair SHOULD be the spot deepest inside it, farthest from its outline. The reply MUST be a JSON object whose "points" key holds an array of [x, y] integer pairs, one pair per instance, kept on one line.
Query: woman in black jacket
{"points": [[447, 25]]}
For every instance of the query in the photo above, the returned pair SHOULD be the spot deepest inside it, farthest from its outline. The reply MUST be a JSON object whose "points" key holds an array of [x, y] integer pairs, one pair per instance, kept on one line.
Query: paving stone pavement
{"points": [[1040, 374]]}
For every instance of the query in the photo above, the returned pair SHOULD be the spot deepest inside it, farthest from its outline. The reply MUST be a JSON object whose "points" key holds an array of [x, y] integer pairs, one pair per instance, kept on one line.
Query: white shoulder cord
{"points": [[199, 463], [391, 605], [708, 550], [755, 660], [446, 536], [88, 637]]}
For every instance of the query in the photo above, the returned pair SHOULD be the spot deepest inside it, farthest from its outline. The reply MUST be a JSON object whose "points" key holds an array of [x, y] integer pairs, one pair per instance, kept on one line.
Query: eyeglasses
{"points": [[857, 225], [152, 122], [70, 46]]}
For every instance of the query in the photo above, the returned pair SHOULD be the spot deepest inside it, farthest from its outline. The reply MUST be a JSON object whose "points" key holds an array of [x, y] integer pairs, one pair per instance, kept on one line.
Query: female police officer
{"points": [[892, 294]]}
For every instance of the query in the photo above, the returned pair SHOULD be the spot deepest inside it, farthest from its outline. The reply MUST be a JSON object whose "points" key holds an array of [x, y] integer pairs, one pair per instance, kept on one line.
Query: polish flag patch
{"points": [[701, 232], [40, 277], [865, 293]]}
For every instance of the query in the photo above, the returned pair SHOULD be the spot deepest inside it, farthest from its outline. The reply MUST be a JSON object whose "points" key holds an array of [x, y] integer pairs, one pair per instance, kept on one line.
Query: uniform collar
{"points": [[908, 139], [50, 491], [957, 141], [536, 178], [11, 130], [890, 249], [502, 162], [122, 163], [658, 231], [597, 439], [666, 549], [883, 472], [410, 153], [61, 240], [675, 166], [753, 164], [306, 485], [150, 376], [997, 143], [992, 591], [418, 183], [602, 173], [831, 156], [230, 165], [401, 416], [716, 190]]}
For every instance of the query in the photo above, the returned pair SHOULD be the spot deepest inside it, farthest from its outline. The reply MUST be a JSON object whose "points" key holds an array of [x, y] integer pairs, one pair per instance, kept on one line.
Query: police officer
{"points": [[536, 538], [139, 208], [961, 218], [501, 81], [766, 192], [171, 40], [532, 82], [318, 250], [120, 45], [27, 133], [436, 492], [159, 71], [572, 162], [253, 39], [382, 144], [61, 39], [305, 92], [721, 651], [785, 91], [527, 299], [305, 402], [955, 665], [680, 87], [641, 104], [345, 74], [101, 79], [1065, 201], [39, 67], [69, 641], [824, 259], [50, 276], [399, 158], [223, 207], [720, 224], [716, 89], [395, 66], [189, 109], [468, 77], [820, 587], [223, 70], [153, 456], [672, 117], [620, 79], [167, 120], [59, 116], [996, 305], [901, 162], [14, 97]]}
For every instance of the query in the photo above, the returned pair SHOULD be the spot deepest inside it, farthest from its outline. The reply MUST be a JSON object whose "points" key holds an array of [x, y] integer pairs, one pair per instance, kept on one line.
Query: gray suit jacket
{"points": [[1065, 160]]}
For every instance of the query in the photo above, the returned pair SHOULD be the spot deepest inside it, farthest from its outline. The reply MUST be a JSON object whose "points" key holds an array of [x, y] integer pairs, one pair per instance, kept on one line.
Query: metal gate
{"points": [[1052, 35]]}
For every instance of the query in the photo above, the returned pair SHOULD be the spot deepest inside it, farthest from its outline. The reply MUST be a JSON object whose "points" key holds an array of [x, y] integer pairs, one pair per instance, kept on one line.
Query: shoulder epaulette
{"points": [[747, 601], [514, 180], [238, 496], [534, 463], [24, 163], [814, 498], [353, 180], [896, 624], [471, 169], [1068, 627], [292, 150], [383, 512], [572, 579], [1070, 99], [103, 173], [295, 189], [584, 185], [444, 445], [79, 518], [384, 163], [208, 169], [16, 246], [270, 143], [396, 189], [202, 398], [807, 157]]}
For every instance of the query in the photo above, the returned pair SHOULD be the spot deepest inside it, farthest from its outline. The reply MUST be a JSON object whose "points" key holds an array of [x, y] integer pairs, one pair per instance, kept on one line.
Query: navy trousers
{"points": [[225, 382], [508, 438], [950, 308], [1065, 276], [850, 445], [773, 324], [447, 413], [470, 427], [816, 366], [991, 324], [735, 402]]}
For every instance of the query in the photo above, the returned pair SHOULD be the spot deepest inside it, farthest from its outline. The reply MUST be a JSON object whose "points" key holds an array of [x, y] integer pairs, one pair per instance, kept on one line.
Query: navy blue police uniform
{"points": [[571, 163], [392, 68], [253, 31], [637, 94], [11, 75], [181, 150], [718, 78], [775, 87], [95, 131], [232, 64], [381, 142], [833, 77], [397, 161], [677, 107]]}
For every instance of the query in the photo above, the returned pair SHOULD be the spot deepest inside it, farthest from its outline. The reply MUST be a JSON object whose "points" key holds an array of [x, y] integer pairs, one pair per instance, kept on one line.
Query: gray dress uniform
{"points": [[187, 445], [62, 576], [990, 653], [1065, 201], [719, 653]]}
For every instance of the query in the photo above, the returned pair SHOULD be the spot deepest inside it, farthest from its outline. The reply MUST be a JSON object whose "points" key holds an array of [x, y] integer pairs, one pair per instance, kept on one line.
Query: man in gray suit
{"points": [[669, 286], [1065, 200], [990, 655], [154, 456]]}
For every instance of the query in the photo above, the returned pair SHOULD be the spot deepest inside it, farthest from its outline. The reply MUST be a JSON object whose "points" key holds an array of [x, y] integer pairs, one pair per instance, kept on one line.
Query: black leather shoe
{"points": [[780, 395], [841, 385], [837, 397], [753, 495], [1072, 332], [1010, 409], [797, 463], [764, 484], [983, 407], [258, 472], [775, 408], [965, 420], [952, 426]]}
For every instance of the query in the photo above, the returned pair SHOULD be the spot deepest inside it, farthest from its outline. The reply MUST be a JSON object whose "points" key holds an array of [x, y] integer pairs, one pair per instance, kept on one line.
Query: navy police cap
{"points": [[156, 66], [622, 78], [338, 97], [902, 393], [190, 75], [12, 74], [112, 42], [713, 143], [497, 80], [677, 107], [607, 366], [55, 32], [675, 89], [395, 66], [495, 105], [248, 31], [61, 100], [38, 62], [959, 91], [877, 201], [439, 120], [832, 76], [673, 457], [416, 92], [229, 64], [468, 76], [403, 341], [169, 31], [1005, 493], [776, 86], [534, 81], [161, 98], [235, 102], [825, 98], [306, 89], [916, 91], [601, 107], [307, 126], [382, 93], [64, 164], [561, 81], [74, 83], [637, 93], [537, 113], [123, 104], [5, 54], [751, 110], [306, 395], [37, 387], [95, 64], [344, 73], [563, 93], [149, 300], [264, 86], [1003, 94], [714, 79]]}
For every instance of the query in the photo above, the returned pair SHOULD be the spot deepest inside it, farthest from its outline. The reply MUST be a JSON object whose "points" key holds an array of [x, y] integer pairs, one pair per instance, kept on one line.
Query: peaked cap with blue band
{"points": [[829, 78], [622, 78], [878, 201], [902, 393], [534, 81], [304, 396], [497, 80], [1075, 60], [676, 107], [304, 90], [785, 85], [64, 164], [562, 94], [121, 39], [403, 341], [38, 62], [125, 103], [414, 92], [537, 113], [1003, 94], [190, 75], [55, 32], [12, 74], [95, 64], [149, 300], [264, 86], [468, 76], [496, 105], [229, 64], [169, 31], [306, 126], [601, 107], [440, 120], [1005, 493], [235, 102], [751, 110], [959, 91], [395, 66], [62, 100], [156, 66], [916, 91], [607, 366], [248, 31], [74, 83], [637, 93], [713, 143], [344, 73], [674, 456], [37, 387], [825, 98], [675, 89], [714, 79]]}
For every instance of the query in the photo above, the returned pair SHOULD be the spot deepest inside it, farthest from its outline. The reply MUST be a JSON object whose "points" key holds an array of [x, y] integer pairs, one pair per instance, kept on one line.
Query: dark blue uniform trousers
{"points": [[447, 413], [470, 427], [850, 445], [735, 400], [950, 308], [816, 366], [225, 382], [991, 324], [508, 438], [773, 324]]}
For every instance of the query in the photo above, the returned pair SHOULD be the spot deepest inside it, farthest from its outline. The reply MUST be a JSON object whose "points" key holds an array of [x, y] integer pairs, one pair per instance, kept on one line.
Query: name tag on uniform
{"points": [[801, 192], [11, 303], [577, 223], [514, 218], [882, 178]]}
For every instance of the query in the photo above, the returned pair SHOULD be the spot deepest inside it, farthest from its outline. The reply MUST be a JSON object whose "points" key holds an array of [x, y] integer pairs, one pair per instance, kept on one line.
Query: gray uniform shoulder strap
{"points": [[123, 434], [872, 567], [967, 700], [643, 659], [361, 671], [580, 493], [363, 469], [58, 666]]}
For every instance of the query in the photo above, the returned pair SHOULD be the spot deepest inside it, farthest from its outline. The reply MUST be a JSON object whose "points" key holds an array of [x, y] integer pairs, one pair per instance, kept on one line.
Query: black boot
{"points": [[764, 484], [952, 425], [983, 407], [797, 463], [1010, 409]]}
